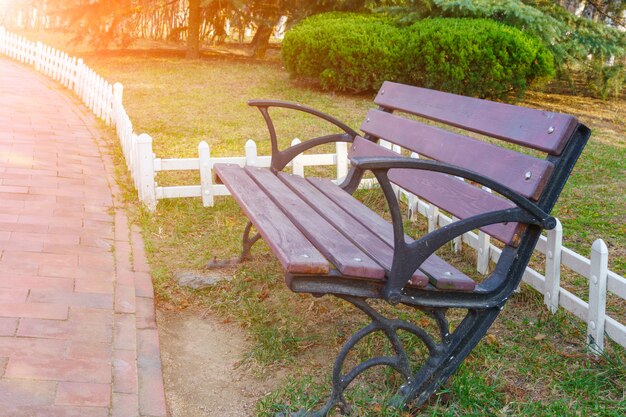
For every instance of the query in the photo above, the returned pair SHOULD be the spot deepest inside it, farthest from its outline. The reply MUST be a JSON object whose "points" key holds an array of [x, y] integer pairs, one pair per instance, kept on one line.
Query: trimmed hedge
{"points": [[477, 57], [344, 52]]}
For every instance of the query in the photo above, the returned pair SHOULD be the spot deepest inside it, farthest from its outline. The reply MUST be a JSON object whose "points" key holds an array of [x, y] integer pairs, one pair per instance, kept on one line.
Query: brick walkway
{"points": [[78, 334]]}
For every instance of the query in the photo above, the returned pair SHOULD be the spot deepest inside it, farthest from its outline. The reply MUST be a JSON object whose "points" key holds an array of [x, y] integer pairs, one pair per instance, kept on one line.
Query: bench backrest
{"points": [[457, 117]]}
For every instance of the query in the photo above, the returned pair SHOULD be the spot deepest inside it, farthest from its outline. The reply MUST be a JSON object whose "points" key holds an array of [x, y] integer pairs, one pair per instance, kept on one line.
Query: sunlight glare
{"points": [[4, 5]]}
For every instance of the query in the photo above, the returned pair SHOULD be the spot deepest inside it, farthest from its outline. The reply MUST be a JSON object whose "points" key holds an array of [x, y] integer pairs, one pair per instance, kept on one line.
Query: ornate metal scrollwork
{"points": [[444, 355]]}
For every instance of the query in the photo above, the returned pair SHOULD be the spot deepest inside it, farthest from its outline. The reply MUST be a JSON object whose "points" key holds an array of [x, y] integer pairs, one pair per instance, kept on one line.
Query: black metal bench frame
{"points": [[483, 304]]}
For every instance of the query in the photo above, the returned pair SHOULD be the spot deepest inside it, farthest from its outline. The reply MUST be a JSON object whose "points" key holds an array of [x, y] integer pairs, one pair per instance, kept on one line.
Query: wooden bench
{"points": [[330, 243]]}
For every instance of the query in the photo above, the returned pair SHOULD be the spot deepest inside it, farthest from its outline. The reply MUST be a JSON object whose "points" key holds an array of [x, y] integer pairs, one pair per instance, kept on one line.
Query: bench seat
{"points": [[314, 227]]}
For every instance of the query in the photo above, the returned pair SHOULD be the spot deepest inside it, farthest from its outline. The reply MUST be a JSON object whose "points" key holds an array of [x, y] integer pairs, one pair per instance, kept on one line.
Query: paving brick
{"points": [[125, 329], [8, 326], [101, 261], [98, 242], [125, 405], [83, 394], [48, 259], [18, 281], [143, 285], [125, 371], [77, 250], [89, 349], [123, 255], [65, 330], [23, 246], [45, 238], [18, 267], [94, 286], [55, 411], [151, 393], [73, 370], [148, 349], [34, 310], [124, 298], [13, 295], [91, 315], [146, 318], [23, 346], [121, 226], [140, 263], [79, 299], [78, 272], [26, 392]]}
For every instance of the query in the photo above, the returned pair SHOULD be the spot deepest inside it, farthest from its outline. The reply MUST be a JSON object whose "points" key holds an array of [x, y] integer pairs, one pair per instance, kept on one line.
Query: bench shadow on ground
{"points": [[202, 367]]}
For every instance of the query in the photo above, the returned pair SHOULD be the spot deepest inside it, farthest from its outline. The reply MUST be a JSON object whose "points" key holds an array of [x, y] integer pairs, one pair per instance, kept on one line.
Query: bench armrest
{"points": [[409, 256], [280, 159]]}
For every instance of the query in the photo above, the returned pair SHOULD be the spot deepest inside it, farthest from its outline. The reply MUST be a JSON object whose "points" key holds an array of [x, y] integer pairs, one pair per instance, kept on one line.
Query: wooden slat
{"points": [[447, 192], [352, 229], [444, 276], [349, 259], [541, 130], [520, 172], [441, 274], [293, 250]]}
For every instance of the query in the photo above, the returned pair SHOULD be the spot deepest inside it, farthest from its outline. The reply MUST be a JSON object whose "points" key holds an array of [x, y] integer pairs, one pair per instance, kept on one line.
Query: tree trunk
{"points": [[261, 40], [193, 30]]}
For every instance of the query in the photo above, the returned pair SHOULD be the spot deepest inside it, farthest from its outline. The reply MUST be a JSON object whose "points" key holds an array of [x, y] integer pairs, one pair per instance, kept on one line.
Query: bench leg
{"points": [[445, 355], [248, 242]]}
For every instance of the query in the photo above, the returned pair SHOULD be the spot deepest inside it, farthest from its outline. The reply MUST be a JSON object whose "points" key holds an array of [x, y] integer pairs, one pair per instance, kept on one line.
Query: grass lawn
{"points": [[532, 363]]}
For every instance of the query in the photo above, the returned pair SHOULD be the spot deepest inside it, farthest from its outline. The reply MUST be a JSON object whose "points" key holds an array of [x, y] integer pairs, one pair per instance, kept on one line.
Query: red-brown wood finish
{"points": [[537, 129], [349, 259], [294, 251], [445, 191], [350, 227], [440, 273], [522, 173]]}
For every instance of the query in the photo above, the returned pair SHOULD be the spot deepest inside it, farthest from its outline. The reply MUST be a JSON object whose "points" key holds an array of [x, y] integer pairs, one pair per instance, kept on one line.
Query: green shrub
{"points": [[349, 52], [343, 52], [475, 57], [570, 38], [604, 81]]}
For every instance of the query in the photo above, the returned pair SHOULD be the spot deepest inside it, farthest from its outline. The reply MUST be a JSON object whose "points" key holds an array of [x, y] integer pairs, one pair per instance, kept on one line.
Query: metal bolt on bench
{"points": [[330, 243]]}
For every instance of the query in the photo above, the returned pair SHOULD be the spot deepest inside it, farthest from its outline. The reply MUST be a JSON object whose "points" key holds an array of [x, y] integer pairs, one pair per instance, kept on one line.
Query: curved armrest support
{"points": [[409, 256], [386, 163], [281, 158]]}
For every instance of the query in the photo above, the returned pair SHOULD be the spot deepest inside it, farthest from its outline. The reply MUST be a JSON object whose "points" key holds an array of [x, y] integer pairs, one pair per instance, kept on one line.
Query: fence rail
{"points": [[105, 101]]}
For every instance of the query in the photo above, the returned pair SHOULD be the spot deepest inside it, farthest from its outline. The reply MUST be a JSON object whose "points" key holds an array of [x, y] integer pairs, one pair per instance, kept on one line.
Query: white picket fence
{"points": [[105, 101]]}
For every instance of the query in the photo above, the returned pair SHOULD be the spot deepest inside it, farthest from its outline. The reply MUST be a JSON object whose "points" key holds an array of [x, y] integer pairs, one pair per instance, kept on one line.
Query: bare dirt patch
{"points": [[201, 367]]}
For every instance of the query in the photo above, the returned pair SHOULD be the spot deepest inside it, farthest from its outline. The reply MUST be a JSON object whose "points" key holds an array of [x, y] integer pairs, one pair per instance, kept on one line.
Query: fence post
{"points": [[413, 201], [71, 74], [297, 167], [145, 161], [108, 103], [251, 152], [118, 95], [433, 217], [482, 258], [342, 161], [38, 55], [3, 34], [78, 77], [552, 287], [457, 242], [206, 180], [597, 296]]}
